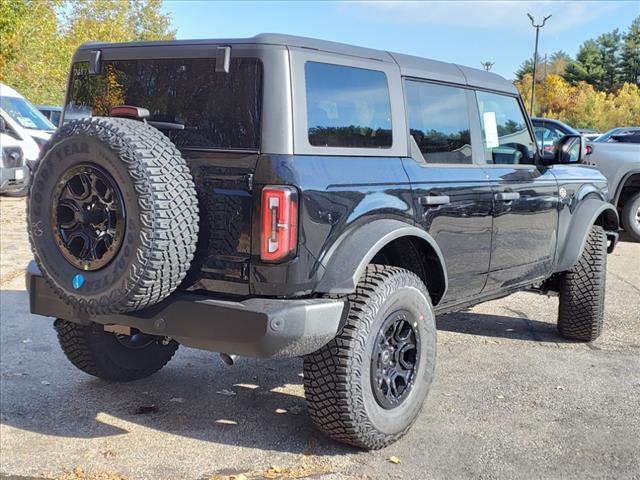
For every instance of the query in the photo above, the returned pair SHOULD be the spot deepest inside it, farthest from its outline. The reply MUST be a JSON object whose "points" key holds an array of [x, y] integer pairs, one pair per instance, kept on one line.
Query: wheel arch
{"points": [[631, 180], [382, 241], [591, 211]]}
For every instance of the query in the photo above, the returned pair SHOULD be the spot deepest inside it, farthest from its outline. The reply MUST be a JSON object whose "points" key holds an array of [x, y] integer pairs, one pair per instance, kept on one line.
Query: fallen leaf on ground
{"points": [[80, 474], [394, 460]]}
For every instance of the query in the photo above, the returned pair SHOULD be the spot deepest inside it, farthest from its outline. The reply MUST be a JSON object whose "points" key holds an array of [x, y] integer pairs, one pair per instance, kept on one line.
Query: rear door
{"points": [[525, 195], [452, 195]]}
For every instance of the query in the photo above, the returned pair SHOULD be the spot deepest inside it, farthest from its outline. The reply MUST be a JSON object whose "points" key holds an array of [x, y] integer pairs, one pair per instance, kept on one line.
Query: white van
{"points": [[24, 122]]}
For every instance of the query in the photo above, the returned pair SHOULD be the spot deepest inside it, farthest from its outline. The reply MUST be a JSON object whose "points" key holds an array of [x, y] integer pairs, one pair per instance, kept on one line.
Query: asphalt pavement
{"points": [[511, 399]]}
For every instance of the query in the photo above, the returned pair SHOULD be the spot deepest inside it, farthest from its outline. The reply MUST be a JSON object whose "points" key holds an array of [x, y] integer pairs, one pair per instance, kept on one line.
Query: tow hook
{"points": [[228, 359]]}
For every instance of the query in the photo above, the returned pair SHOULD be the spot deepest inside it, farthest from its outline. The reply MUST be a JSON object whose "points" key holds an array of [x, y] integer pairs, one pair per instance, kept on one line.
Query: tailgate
{"points": [[223, 182]]}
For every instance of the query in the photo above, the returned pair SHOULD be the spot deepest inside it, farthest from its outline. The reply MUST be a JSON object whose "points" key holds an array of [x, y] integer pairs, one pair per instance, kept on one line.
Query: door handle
{"points": [[507, 196], [432, 200]]}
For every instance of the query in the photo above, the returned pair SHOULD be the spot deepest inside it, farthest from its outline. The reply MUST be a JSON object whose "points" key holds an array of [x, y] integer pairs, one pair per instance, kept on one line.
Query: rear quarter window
{"points": [[347, 106]]}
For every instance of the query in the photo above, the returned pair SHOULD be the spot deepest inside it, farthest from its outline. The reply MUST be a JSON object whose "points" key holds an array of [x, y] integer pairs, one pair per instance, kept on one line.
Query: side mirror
{"points": [[3, 125], [570, 149]]}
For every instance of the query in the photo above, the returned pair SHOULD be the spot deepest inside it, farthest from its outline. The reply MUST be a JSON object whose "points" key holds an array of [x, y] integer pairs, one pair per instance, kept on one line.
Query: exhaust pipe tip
{"points": [[228, 359]]}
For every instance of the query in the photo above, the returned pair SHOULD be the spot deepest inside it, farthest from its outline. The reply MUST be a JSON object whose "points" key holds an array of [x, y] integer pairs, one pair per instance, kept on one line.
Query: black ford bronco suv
{"points": [[280, 196]]}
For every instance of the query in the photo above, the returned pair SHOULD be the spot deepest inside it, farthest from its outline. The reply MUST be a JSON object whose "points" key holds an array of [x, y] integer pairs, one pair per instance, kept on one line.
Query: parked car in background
{"points": [[52, 112], [25, 124], [548, 131], [28, 117], [619, 161], [14, 174], [589, 133], [616, 132]]}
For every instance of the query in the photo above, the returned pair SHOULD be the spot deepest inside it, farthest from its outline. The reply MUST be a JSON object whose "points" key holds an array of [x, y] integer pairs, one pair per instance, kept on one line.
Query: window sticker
{"points": [[490, 129]]}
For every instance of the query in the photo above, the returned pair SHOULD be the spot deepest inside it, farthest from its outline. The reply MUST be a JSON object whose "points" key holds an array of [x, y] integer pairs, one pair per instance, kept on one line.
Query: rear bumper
{"points": [[256, 327]]}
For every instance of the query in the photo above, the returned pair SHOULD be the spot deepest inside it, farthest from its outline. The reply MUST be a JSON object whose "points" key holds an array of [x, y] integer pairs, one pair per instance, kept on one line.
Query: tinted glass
{"points": [[439, 122], [347, 107], [25, 114], [55, 117], [506, 137], [546, 136], [217, 110]]}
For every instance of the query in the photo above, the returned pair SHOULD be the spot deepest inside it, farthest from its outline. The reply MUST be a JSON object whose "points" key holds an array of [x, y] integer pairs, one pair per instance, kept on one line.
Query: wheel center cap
{"points": [[93, 216]]}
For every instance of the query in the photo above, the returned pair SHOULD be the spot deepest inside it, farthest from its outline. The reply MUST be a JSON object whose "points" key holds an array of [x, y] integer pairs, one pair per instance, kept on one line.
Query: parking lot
{"points": [[511, 399]]}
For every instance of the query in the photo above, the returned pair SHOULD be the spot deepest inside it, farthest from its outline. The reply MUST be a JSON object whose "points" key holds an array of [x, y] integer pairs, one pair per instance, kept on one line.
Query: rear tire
{"points": [[631, 217], [582, 291], [105, 355], [344, 381]]}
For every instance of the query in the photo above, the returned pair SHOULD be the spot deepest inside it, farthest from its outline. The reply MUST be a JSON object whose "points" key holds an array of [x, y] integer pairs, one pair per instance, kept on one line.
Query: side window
{"points": [[347, 106], [439, 122], [504, 129]]}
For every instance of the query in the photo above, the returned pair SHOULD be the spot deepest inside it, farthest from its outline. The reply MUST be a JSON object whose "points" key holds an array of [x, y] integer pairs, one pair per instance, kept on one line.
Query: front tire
{"points": [[113, 357], [582, 290], [367, 386], [631, 217]]}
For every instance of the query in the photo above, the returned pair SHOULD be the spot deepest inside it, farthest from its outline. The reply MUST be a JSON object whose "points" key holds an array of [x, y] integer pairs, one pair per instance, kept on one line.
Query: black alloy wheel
{"points": [[88, 217], [395, 358]]}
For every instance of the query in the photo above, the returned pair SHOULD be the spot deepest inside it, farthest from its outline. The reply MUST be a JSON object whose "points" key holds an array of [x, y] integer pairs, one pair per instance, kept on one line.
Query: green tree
{"points": [[526, 68], [609, 45], [630, 58], [35, 61], [558, 62], [12, 15], [588, 65]]}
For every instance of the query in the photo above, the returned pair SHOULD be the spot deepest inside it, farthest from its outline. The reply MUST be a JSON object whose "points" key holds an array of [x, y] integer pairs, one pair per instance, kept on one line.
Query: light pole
{"points": [[535, 56], [487, 65]]}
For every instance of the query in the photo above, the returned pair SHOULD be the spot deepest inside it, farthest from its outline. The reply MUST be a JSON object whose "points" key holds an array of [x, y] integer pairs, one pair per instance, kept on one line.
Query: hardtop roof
{"points": [[409, 65]]}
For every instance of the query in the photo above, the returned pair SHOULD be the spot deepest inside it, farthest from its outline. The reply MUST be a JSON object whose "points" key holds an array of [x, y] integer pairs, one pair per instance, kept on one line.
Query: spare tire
{"points": [[112, 215]]}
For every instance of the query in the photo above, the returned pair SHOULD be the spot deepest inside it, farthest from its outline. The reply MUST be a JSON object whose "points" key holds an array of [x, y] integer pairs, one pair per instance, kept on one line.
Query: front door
{"points": [[525, 195], [452, 195]]}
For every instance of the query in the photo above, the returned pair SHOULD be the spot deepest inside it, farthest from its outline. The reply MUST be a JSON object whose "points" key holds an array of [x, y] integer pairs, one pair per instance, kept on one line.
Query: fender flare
{"points": [[585, 216], [621, 184], [348, 257]]}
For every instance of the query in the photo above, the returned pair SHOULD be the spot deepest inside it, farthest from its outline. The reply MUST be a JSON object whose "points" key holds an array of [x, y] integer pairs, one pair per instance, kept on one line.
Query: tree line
{"points": [[596, 89], [599, 88], [606, 62]]}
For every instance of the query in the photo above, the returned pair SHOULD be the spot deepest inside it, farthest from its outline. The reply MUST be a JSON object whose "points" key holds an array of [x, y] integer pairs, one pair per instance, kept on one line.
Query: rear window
{"points": [[347, 106], [218, 110]]}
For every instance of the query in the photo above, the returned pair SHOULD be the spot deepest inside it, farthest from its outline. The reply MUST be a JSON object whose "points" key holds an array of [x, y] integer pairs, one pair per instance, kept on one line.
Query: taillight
{"points": [[279, 229]]}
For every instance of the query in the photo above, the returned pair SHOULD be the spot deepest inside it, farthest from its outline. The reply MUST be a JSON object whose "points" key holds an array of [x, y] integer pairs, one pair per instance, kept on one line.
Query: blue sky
{"points": [[465, 32]]}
